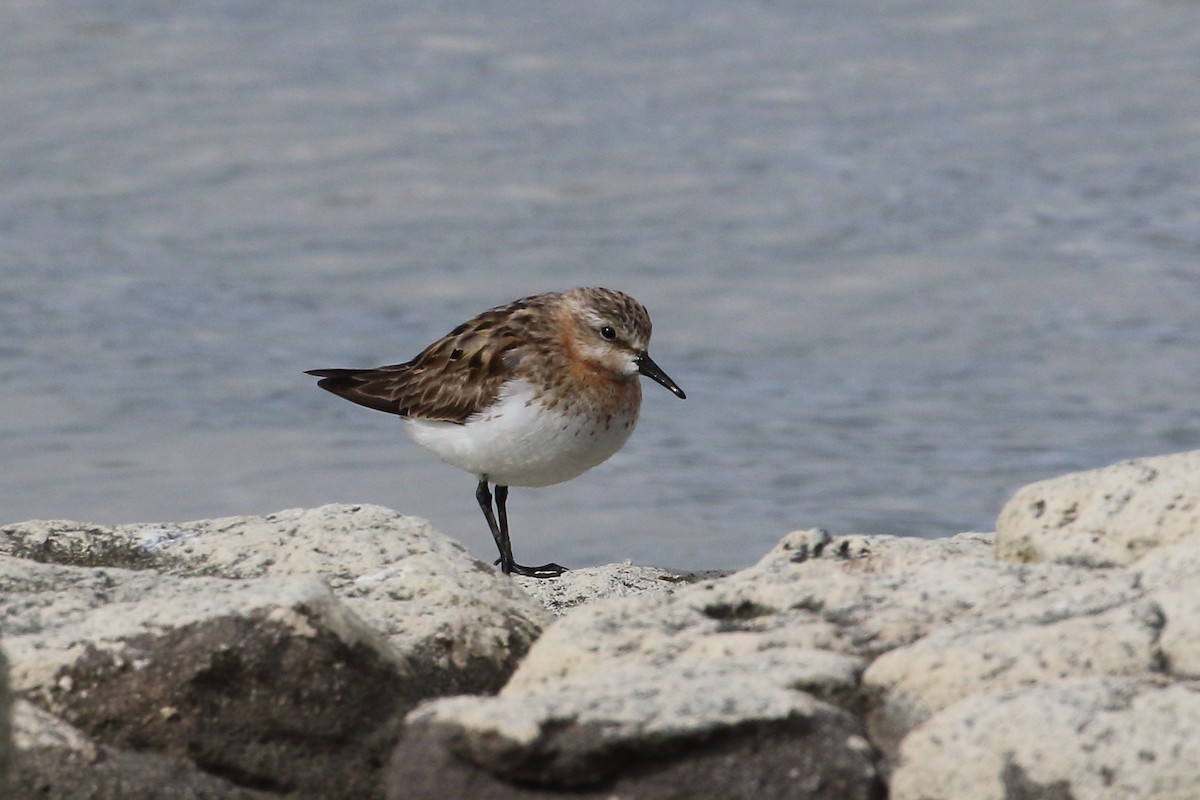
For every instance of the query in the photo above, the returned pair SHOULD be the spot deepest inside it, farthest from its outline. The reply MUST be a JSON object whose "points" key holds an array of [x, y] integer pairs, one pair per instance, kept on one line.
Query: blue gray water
{"points": [[904, 256]]}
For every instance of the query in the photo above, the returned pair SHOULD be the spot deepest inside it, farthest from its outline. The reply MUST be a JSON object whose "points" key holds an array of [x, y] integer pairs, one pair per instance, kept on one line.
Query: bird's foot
{"points": [[544, 571]]}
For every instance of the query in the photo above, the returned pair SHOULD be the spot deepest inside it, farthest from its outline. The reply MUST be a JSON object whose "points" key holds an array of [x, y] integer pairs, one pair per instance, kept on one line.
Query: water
{"points": [[904, 257]]}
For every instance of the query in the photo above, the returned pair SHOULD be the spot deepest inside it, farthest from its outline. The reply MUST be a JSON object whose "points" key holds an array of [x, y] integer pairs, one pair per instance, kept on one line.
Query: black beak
{"points": [[647, 367]]}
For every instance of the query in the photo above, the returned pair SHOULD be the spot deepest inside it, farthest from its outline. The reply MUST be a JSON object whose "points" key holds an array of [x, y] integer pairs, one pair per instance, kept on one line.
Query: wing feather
{"points": [[452, 380]]}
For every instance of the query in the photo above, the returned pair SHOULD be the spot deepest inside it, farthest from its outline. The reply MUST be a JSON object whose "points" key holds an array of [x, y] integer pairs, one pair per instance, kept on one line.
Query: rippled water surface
{"points": [[904, 257]]}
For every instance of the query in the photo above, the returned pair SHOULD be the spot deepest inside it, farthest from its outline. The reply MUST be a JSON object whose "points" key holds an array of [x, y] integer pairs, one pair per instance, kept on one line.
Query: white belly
{"points": [[521, 442]]}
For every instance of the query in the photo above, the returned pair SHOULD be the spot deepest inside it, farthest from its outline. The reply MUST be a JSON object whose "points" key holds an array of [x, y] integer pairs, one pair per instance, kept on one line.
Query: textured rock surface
{"points": [[454, 618], [897, 632], [1105, 516], [6, 741], [271, 683], [775, 646], [579, 587], [1089, 740], [244, 645], [816, 754], [1173, 575], [1137, 622], [857, 597], [287, 655], [577, 732], [59, 762]]}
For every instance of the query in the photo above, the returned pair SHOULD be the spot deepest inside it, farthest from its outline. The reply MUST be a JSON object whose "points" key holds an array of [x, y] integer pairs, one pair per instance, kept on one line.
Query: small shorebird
{"points": [[531, 393]]}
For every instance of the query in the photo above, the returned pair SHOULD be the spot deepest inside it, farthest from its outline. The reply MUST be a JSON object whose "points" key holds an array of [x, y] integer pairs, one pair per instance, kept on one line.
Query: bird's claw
{"points": [[544, 571]]}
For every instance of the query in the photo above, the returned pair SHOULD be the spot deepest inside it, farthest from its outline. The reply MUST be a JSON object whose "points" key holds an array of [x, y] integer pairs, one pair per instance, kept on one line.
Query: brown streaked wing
{"points": [[451, 380]]}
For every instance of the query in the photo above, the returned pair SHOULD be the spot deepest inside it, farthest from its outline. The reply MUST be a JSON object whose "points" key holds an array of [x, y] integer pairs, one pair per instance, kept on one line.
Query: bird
{"points": [[531, 393]]}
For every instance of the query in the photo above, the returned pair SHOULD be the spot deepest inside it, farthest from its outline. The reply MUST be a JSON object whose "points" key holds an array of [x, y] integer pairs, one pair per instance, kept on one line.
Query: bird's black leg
{"points": [[545, 570], [501, 536], [508, 564]]}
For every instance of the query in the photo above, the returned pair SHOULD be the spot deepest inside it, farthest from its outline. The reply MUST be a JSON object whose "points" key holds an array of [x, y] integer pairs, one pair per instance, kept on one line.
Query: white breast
{"points": [[521, 442]]}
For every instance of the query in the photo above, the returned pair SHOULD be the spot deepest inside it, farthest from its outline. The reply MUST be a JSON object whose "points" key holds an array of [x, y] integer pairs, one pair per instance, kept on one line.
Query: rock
{"points": [[938, 622], [220, 640], [279, 652], [1086, 740], [1136, 622], [646, 733], [460, 624], [1173, 576], [272, 684], [59, 762], [6, 740], [287, 655], [772, 651], [35, 729], [579, 587], [858, 597], [910, 684], [719, 689], [1104, 517]]}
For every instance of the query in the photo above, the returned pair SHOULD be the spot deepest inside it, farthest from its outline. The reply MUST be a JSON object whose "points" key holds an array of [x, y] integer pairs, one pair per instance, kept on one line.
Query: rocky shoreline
{"points": [[351, 652]]}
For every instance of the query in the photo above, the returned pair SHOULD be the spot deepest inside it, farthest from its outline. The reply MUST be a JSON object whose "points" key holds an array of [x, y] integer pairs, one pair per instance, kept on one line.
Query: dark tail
{"points": [[362, 386]]}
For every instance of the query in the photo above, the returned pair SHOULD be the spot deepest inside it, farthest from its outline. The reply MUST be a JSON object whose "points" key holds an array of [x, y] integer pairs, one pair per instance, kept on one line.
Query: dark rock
{"points": [[6, 741], [271, 684], [60, 774], [246, 699], [796, 759]]}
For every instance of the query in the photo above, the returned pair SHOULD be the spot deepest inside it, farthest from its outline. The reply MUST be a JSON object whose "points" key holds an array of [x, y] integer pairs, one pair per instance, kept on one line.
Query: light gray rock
{"points": [[1179, 644], [282, 650], [784, 640], [831, 605], [1104, 517], [1141, 621], [857, 596], [909, 685], [456, 620], [1171, 575], [54, 616], [1088, 740], [658, 676], [698, 731], [808, 674], [522, 735], [578, 587], [272, 682], [938, 621]]}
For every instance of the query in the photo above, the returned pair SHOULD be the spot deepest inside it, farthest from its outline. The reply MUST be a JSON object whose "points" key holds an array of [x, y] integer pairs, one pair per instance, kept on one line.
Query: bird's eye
{"points": [[608, 333]]}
